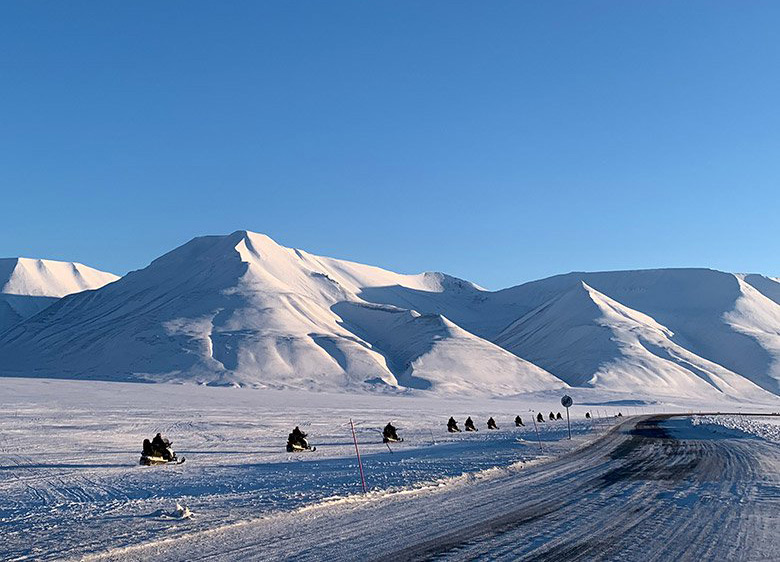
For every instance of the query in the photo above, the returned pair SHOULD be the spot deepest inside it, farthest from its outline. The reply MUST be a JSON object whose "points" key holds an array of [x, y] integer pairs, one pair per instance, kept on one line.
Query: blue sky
{"points": [[496, 141]]}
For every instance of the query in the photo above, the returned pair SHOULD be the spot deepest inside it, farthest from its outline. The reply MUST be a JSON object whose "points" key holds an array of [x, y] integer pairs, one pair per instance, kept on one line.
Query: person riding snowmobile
{"points": [[492, 424], [587, 415], [162, 447], [470, 424], [452, 426], [558, 416], [552, 416], [158, 451], [540, 418], [518, 421], [390, 434], [296, 441], [147, 451]]}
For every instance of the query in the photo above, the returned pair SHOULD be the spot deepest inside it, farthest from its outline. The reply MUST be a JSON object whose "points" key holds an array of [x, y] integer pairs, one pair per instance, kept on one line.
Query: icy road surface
{"points": [[655, 488]]}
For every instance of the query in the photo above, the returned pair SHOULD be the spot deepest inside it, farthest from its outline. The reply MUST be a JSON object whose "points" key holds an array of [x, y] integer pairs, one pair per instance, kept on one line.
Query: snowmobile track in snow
{"points": [[654, 488]]}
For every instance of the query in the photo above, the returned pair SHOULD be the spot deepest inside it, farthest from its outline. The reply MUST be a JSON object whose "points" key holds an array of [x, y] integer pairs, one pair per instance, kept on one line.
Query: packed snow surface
{"points": [[72, 486]]}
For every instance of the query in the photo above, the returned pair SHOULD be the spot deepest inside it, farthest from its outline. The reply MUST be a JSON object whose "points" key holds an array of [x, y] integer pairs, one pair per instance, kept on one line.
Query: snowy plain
{"points": [[71, 485]]}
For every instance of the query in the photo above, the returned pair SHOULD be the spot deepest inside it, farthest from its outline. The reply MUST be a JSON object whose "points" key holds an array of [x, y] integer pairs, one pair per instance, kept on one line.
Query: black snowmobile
{"points": [[519, 421], [559, 416], [587, 415], [296, 442], [470, 424], [540, 418], [158, 451], [552, 416], [452, 426], [492, 424], [389, 434]]}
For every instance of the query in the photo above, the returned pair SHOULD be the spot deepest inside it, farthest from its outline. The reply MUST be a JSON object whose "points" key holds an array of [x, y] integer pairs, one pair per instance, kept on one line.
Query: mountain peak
{"points": [[49, 278]]}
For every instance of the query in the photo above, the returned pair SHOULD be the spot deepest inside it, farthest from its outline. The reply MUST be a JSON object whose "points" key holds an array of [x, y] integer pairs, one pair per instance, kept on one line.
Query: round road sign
{"points": [[566, 401]]}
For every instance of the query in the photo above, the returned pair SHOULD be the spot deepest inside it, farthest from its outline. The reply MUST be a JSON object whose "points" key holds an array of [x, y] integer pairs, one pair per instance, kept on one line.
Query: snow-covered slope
{"points": [[716, 316], [589, 339], [27, 286], [240, 309]]}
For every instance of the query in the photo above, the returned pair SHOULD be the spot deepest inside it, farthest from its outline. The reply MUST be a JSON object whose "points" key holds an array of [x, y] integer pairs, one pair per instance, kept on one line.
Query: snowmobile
{"points": [[519, 422], [296, 442], [587, 415], [540, 418], [300, 446], [470, 424], [152, 455], [552, 416], [558, 416], [491, 423], [452, 426], [389, 435]]}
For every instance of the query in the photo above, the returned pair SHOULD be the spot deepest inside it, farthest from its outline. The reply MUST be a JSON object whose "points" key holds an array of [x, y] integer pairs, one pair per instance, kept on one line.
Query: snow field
{"points": [[69, 456]]}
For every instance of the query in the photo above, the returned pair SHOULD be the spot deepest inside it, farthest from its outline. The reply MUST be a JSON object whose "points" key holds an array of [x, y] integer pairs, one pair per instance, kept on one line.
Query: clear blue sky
{"points": [[497, 141]]}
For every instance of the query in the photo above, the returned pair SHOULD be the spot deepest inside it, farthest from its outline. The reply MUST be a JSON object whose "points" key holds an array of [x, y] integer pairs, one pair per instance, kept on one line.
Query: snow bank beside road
{"points": [[765, 427]]}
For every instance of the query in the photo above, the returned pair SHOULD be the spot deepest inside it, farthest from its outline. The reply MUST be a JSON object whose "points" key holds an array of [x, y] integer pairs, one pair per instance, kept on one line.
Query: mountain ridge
{"points": [[29, 285], [241, 309]]}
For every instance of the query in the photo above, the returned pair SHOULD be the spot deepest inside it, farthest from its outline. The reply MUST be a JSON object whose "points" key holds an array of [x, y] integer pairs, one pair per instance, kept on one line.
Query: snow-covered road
{"points": [[655, 488]]}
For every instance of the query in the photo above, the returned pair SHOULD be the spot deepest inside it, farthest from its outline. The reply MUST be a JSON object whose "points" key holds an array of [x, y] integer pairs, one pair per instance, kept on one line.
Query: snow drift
{"points": [[243, 310]]}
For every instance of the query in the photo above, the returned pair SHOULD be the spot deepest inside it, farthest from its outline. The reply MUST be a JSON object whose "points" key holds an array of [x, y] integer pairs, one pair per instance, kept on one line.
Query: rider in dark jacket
{"points": [[297, 438], [389, 433], [161, 447]]}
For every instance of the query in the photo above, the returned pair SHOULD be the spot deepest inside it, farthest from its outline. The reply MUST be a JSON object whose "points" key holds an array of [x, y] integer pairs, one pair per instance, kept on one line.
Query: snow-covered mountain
{"points": [[27, 286], [241, 309]]}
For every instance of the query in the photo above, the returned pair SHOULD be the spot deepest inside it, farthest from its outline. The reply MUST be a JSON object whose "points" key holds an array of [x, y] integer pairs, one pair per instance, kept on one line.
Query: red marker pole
{"points": [[357, 452], [533, 418]]}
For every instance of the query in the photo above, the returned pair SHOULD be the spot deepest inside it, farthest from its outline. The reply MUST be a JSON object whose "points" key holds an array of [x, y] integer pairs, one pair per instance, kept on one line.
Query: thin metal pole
{"points": [[537, 431], [357, 452], [567, 421]]}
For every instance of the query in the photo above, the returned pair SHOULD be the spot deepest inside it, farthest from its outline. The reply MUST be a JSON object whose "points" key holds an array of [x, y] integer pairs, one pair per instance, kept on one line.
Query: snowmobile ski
{"points": [[301, 449], [154, 460]]}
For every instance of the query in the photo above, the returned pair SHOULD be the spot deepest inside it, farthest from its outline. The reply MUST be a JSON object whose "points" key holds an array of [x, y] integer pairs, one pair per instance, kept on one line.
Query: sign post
{"points": [[566, 401]]}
